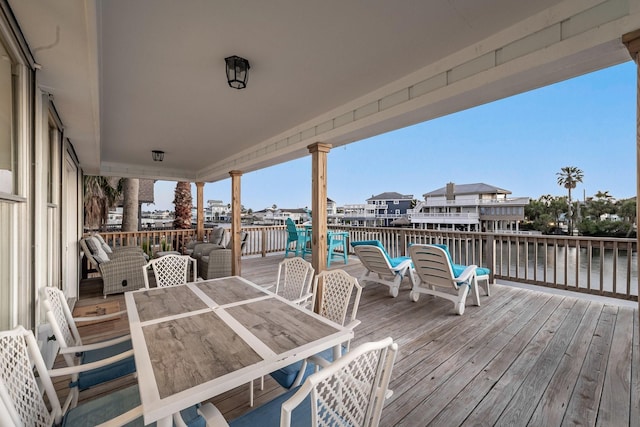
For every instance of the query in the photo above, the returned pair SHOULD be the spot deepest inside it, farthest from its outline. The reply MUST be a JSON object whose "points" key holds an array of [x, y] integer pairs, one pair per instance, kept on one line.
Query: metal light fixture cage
{"points": [[157, 155], [237, 71]]}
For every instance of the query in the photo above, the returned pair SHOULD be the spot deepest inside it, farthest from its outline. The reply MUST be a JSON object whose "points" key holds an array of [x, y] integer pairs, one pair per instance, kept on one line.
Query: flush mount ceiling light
{"points": [[157, 155], [237, 71]]}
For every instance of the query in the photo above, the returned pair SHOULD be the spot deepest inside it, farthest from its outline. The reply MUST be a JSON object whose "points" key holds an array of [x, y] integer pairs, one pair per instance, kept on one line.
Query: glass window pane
{"points": [[7, 168]]}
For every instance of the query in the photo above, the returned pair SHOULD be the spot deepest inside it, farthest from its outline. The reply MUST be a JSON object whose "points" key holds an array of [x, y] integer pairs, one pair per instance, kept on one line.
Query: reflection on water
{"points": [[602, 270]]}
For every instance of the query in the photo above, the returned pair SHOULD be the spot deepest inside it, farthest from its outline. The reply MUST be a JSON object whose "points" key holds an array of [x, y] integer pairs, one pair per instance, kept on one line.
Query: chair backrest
{"points": [[335, 298], [295, 276], [350, 391], [291, 229], [217, 235], [61, 320], [170, 270], [432, 265], [93, 250], [244, 236], [374, 258], [22, 400]]}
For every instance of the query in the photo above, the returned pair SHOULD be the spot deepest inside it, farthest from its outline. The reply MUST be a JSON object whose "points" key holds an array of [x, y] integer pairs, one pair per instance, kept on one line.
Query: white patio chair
{"points": [[170, 270], [293, 282], [386, 270], [333, 304], [27, 391], [111, 359], [351, 391], [433, 275], [294, 279]]}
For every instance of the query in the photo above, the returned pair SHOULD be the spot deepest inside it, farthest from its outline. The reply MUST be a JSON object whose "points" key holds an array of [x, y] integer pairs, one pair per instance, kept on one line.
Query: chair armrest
{"points": [[95, 346], [101, 317], [130, 262], [304, 300], [212, 415], [203, 249], [351, 325], [71, 370], [122, 419], [467, 274]]}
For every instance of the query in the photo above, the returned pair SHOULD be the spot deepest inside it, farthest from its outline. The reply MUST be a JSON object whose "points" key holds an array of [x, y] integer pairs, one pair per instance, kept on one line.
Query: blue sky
{"points": [[518, 144]]}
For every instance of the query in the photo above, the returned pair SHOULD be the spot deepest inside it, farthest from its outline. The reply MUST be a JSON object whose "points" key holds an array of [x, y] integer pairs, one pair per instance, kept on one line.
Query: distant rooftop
{"points": [[461, 189], [391, 195]]}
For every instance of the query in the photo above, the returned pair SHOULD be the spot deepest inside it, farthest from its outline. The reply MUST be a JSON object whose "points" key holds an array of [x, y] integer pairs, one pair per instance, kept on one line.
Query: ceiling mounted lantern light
{"points": [[237, 71], [157, 155]]}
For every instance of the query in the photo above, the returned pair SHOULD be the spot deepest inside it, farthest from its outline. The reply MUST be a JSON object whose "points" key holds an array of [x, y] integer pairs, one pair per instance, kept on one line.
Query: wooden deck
{"points": [[522, 358]]}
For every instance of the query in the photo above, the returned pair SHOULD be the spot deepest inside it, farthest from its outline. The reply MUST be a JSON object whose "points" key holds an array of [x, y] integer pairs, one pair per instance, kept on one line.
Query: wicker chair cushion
{"points": [[96, 249], [104, 245]]}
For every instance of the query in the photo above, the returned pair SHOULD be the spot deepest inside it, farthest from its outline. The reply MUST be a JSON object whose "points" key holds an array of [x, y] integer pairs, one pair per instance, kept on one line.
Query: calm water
{"points": [[572, 260]]}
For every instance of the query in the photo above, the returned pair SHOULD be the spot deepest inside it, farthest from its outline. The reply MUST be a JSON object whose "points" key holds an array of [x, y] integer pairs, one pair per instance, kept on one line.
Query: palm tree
{"points": [[183, 202], [130, 205], [569, 177], [99, 196]]}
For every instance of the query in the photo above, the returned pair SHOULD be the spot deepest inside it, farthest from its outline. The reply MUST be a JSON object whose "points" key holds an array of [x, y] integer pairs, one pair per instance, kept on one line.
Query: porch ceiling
{"points": [[129, 77]]}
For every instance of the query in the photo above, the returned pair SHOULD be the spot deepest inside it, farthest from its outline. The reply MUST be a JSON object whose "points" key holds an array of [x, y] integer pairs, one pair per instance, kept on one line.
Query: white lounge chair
{"points": [[433, 274], [386, 270]]}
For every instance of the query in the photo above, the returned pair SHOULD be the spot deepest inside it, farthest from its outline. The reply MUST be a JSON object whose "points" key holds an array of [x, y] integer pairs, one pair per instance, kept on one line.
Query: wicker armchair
{"points": [[216, 264], [121, 270]]}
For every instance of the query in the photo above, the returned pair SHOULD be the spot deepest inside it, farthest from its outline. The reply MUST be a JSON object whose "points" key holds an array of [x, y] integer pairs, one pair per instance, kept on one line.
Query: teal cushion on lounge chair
{"points": [[268, 415], [458, 268], [368, 243], [106, 373], [398, 260], [393, 261], [287, 375]]}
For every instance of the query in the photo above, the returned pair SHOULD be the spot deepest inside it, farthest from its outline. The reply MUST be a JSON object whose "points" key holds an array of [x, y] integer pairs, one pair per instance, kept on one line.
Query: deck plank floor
{"points": [[524, 357]]}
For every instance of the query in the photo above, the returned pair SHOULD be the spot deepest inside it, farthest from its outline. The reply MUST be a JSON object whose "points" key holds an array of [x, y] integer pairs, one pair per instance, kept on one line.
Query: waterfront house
{"points": [[469, 207], [122, 88], [380, 210]]}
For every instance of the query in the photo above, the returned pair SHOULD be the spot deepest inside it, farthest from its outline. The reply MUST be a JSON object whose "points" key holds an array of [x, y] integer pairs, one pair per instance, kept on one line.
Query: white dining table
{"points": [[194, 341]]}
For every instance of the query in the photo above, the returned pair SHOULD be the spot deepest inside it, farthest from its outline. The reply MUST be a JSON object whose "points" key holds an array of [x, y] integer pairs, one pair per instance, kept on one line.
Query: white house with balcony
{"points": [[469, 207]]}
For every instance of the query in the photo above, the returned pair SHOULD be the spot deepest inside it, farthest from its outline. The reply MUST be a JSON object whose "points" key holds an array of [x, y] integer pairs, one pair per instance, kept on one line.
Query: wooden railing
{"points": [[602, 266]]}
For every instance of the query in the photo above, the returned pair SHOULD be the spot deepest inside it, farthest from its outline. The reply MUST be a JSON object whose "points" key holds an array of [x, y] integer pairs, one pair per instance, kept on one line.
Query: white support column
{"points": [[632, 40]]}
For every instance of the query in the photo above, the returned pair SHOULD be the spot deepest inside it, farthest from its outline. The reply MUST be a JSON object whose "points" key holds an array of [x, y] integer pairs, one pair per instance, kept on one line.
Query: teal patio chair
{"points": [[336, 240], [296, 238], [386, 270]]}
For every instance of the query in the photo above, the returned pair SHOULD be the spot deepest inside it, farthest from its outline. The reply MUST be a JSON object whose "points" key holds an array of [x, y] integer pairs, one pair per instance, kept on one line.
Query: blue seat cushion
{"points": [[111, 405], [106, 373], [104, 408], [268, 415], [287, 375]]}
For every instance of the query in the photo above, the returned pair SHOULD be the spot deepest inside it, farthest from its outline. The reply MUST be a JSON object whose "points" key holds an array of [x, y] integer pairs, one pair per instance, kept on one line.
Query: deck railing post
{"points": [[490, 255]]}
